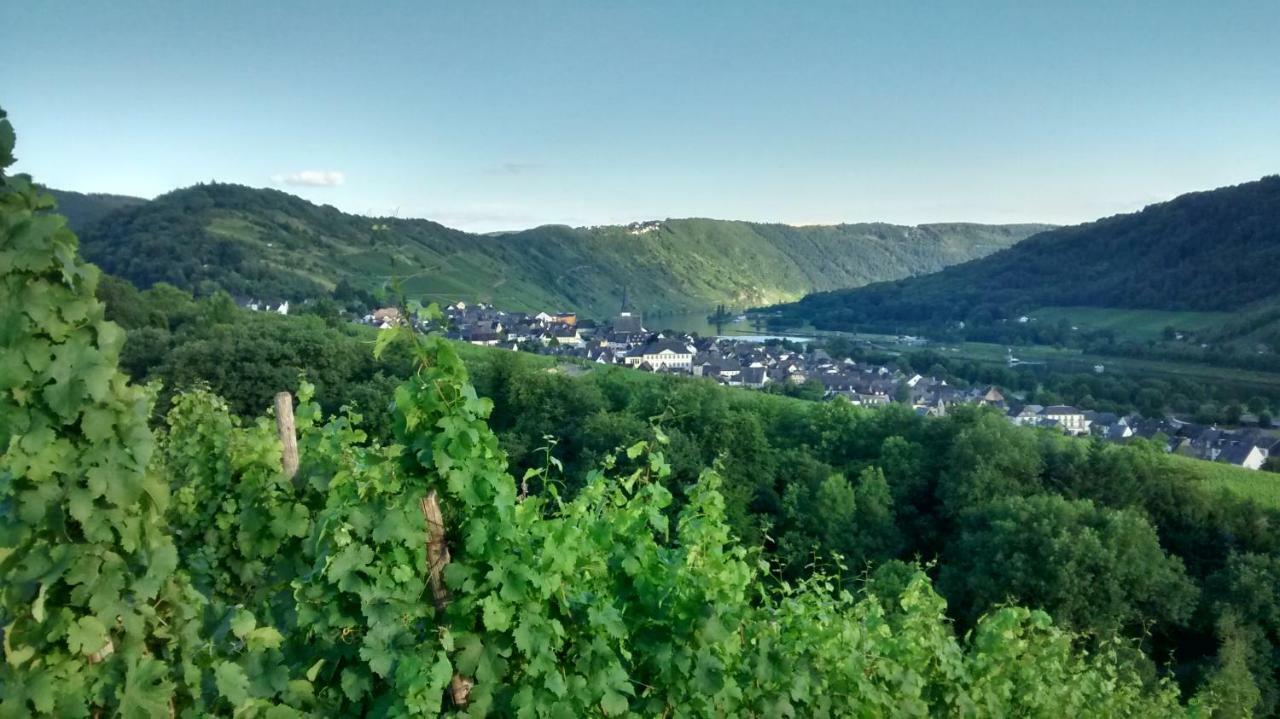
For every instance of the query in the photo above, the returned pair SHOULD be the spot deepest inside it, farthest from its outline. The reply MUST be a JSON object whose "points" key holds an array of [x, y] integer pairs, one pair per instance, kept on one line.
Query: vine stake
{"points": [[288, 437], [437, 558]]}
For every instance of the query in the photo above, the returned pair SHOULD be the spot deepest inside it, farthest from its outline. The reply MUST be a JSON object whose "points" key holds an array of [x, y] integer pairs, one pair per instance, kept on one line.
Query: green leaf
{"points": [[613, 704], [98, 424], [242, 622], [41, 689], [497, 616], [264, 638], [64, 397], [147, 691], [384, 340], [354, 685], [232, 683], [37, 607], [86, 636], [555, 683], [343, 566]]}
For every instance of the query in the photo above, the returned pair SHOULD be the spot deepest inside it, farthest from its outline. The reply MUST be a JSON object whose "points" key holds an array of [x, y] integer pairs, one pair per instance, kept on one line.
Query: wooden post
{"points": [[288, 435], [437, 558]]}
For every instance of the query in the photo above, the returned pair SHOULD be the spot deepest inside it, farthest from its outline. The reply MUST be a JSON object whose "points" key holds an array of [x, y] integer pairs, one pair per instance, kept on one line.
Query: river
{"points": [[697, 323]]}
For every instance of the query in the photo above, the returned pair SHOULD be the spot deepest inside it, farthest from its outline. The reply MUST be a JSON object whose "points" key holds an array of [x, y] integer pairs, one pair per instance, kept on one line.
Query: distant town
{"points": [[756, 363]]}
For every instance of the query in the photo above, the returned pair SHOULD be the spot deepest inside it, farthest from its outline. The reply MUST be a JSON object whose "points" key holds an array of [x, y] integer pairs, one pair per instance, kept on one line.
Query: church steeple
{"points": [[627, 319]]}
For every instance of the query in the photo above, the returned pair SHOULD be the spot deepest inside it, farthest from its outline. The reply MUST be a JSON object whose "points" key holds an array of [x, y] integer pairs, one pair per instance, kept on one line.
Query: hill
{"points": [[270, 244], [85, 208], [1213, 251]]}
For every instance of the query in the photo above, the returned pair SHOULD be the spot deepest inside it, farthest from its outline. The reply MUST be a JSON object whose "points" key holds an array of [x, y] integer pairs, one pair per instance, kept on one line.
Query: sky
{"points": [[502, 115]]}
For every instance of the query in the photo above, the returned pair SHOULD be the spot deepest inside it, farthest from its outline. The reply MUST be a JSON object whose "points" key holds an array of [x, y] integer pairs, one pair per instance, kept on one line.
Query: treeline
{"points": [[246, 357], [1213, 250]]}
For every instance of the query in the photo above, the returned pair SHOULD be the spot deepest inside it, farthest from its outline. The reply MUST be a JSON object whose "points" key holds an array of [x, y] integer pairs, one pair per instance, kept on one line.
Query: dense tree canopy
{"points": [[1094, 569]]}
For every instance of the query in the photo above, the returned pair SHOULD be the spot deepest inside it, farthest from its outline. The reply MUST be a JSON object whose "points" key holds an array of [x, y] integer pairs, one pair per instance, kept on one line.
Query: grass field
{"points": [[1076, 361], [1131, 324], [1261, 487]]}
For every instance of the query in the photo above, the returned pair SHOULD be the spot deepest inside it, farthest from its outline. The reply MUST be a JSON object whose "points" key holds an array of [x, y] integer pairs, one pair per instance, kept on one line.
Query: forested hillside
{"points": [[1214, 250], [271, 245], [83, 209]]}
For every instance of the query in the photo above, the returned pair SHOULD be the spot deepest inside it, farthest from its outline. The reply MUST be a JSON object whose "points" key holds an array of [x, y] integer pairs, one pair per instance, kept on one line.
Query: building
{"points": [[1243, 454], [662, 354], [1069, 418]]}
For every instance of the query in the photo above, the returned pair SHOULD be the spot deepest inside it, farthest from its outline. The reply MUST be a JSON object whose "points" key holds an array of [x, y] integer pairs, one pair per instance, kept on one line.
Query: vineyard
{"points": [[191, 569]]}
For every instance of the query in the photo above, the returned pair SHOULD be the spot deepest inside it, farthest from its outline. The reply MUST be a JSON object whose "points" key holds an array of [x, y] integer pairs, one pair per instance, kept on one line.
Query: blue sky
{"points": [[501, 115]]}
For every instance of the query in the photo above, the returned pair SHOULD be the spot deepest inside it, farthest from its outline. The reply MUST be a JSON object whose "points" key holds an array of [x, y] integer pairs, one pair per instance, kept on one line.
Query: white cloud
{"points": [[514, 168], [311, 178]]}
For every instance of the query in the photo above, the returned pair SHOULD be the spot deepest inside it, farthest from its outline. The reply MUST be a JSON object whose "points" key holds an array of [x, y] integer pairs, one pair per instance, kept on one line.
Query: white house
{"points": [[661, 354], [1070, 419], [1247, 455], [1027, 415]]}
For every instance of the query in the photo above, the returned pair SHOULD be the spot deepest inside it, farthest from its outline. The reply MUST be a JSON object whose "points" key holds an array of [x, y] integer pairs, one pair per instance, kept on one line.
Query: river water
{"points": [[697, 323]]}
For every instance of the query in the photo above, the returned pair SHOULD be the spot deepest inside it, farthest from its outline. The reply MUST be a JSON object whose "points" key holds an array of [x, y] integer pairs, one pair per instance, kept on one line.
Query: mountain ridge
{"points": [[268, 243], [83, 209]]}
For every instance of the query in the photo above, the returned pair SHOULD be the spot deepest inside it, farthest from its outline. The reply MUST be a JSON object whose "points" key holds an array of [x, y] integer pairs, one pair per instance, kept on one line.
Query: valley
{"points": [[269, 245]]}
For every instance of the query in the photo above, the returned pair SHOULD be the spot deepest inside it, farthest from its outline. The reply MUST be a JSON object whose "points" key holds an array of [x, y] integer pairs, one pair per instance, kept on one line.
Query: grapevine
{"points": [[180, 572]]}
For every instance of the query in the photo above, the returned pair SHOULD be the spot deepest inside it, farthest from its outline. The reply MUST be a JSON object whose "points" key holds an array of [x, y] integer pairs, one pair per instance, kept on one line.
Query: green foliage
{"points": [[200, 580], [1095, 570], [246, 357], [96, 612], [89, 605], [1245, 595]]}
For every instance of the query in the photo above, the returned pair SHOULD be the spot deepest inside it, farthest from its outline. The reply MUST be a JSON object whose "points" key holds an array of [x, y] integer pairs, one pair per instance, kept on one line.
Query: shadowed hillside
{"points": [[1205, 251], [85, 208]]}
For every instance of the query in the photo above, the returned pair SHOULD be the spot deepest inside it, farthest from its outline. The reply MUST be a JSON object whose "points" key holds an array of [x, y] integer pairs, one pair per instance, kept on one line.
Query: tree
{"points": [[1093, 569], [218, 309], [988, 459], [1245, 596], [876, 534], [902, 393], [1233, 412], [1207, 413]]}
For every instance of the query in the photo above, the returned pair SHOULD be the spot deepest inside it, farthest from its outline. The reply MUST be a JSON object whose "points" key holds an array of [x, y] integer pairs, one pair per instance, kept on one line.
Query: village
{"points": [[756, 364]]}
